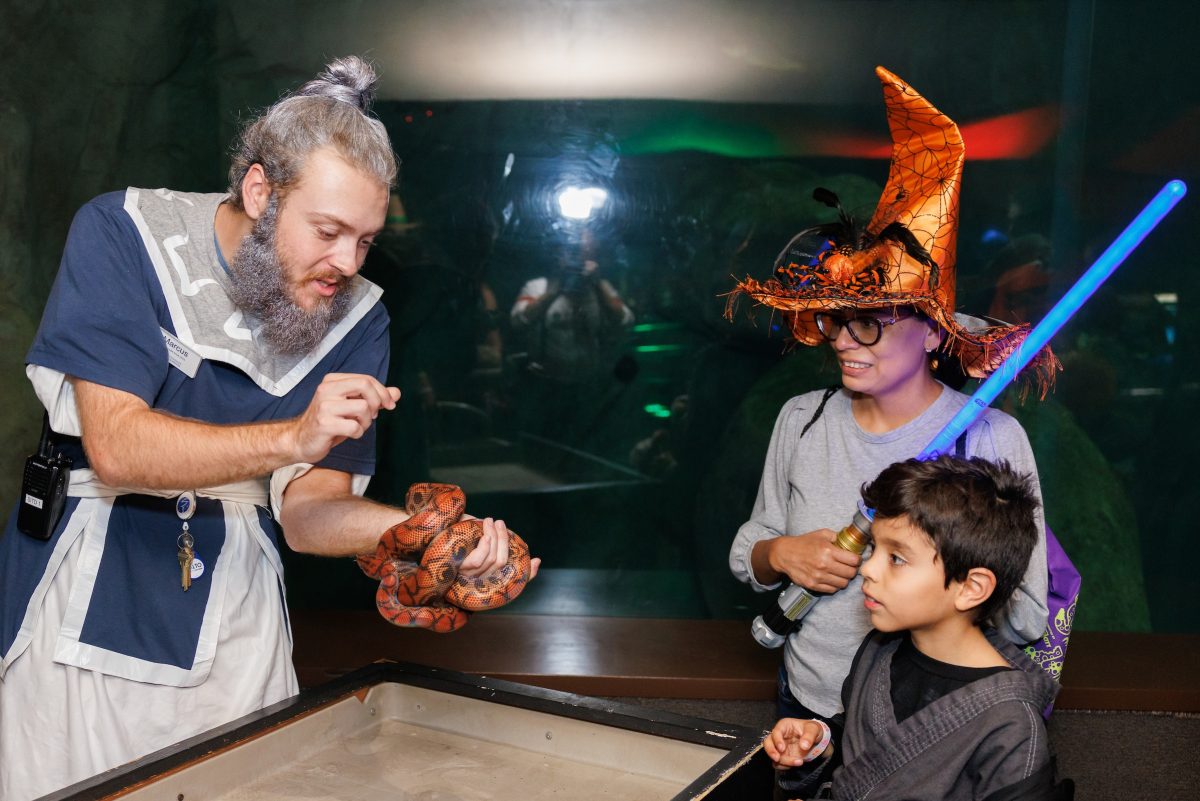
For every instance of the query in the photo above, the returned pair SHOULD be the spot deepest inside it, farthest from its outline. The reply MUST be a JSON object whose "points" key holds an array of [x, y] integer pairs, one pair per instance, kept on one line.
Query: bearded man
{"points": [[212, 366]]}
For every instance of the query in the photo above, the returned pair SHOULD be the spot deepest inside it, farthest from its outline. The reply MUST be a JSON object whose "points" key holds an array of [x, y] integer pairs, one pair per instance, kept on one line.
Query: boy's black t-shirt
{"points": [[918, 680]]}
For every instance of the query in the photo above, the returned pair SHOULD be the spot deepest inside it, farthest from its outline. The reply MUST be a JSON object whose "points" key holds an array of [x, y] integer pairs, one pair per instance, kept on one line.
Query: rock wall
{"points": [[93, 97]]}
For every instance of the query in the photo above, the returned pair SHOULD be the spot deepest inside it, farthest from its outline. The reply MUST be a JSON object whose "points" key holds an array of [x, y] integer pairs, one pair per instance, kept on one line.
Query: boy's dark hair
{"points": [[978, 514]]}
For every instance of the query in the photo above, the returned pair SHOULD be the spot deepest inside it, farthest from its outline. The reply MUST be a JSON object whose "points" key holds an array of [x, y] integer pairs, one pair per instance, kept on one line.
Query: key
{"points": [[186, 554], [185, 569]]}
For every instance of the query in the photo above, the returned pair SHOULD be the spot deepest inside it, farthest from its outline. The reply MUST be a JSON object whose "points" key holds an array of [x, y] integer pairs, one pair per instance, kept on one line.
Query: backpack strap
{"points": [[960, 446], [829, 392]]}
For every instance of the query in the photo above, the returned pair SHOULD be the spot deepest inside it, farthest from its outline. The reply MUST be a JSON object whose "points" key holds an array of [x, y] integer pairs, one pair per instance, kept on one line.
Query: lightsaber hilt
{"points": [[772, 628]]}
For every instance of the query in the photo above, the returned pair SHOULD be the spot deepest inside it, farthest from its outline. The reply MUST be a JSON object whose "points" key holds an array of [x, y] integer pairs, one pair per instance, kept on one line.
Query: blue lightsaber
{"points": [[1076, 296], [771, 629]]}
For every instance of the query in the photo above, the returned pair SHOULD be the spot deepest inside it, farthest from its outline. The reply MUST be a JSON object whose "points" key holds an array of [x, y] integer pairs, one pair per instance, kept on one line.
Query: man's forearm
{"points": [[320, 515], [344, 526], [147, 448], [129, 444]]}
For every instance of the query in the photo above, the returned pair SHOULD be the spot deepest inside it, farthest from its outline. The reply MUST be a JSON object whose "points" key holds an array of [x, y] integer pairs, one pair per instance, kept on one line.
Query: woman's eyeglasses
{"points": [[864, 329]]}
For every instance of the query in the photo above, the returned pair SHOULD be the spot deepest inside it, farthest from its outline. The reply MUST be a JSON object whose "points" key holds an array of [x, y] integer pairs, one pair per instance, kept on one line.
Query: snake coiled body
{"points": [[417, 564]]}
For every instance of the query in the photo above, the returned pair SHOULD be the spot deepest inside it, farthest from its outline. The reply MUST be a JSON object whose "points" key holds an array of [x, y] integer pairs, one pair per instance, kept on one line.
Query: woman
{"points": [[883, 299]]}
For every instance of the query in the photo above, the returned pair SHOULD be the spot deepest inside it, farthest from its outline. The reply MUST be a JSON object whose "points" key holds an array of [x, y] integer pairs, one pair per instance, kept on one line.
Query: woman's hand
{"points": [[812, 560]]}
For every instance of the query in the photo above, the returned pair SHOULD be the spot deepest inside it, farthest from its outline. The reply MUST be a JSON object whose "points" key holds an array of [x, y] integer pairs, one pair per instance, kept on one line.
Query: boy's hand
{"points": [[793, 742]]}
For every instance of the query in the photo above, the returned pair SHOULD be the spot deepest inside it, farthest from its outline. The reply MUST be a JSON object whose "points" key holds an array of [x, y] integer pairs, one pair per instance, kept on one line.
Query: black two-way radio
{"points": [[44, 488]]}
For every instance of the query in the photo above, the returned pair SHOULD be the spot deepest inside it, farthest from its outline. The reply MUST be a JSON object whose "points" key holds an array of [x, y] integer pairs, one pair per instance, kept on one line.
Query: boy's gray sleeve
{"points": [[1013, 761], [769, 516], [1024, 619]]}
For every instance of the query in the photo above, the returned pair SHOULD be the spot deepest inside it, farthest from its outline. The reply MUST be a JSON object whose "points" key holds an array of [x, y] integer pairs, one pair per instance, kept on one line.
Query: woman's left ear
{"points": [[976, 588], [933, 339]]}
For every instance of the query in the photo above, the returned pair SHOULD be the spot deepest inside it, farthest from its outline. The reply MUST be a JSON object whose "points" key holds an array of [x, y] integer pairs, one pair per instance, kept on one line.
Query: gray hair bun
{"points": [[350, 80]]}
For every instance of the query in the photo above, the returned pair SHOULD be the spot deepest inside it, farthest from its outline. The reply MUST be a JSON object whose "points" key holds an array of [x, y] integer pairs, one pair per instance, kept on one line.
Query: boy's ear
{"points": [[976, 588]]}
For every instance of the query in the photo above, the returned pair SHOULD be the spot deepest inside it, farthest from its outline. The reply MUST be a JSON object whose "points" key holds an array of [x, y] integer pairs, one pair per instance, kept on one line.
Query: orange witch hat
{"points": [[905, 256]]}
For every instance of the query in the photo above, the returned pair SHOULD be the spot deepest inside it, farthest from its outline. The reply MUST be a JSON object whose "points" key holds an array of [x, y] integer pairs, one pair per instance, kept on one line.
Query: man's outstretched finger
{"points": [[356, 385]]}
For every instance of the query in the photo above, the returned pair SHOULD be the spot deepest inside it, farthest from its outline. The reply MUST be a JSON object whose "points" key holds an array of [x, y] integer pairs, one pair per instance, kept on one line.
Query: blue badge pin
{"points": [[185, 505]]}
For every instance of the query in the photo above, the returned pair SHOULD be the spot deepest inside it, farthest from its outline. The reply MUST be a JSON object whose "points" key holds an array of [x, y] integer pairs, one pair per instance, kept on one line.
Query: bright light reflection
{"points": [[578, 204]]}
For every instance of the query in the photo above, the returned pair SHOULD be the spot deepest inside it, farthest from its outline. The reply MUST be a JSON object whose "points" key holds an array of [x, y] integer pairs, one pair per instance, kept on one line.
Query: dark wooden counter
{"points": [[706, 659]]}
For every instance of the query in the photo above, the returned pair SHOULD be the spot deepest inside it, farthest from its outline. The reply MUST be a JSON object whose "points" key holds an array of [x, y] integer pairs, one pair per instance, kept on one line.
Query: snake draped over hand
{"points": [[417, 564]]}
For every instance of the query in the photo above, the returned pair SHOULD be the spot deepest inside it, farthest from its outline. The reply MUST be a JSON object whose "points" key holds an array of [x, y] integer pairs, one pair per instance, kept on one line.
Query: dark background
{"points": [[709, 124]]}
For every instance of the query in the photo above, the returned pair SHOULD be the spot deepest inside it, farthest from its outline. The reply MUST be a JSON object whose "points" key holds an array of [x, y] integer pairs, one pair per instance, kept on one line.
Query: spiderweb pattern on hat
{"points": [[904, 256]]}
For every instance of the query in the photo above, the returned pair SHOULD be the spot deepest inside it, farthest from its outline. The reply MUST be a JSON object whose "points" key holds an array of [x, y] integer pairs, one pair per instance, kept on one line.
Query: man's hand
{"points": [[343, 407], [812, 560], [320, 515], [793, 742], [492, 551]]}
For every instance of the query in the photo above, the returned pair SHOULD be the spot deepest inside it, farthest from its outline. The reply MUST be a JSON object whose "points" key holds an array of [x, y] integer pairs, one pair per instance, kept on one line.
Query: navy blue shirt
{"points": [[102, 324]]}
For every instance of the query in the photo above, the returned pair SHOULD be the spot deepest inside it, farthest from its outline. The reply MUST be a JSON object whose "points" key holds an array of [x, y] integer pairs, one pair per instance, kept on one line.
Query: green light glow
{"points": [[699, 131], [644, 328], [656, 409]]}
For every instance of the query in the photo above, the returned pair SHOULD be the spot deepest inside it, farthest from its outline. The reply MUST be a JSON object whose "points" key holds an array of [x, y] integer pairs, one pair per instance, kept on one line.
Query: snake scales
{"points": [[417, 561]]}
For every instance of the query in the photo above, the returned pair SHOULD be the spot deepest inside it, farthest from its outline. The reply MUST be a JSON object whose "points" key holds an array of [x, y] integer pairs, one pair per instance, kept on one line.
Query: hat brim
{"points": [[979, 345]]}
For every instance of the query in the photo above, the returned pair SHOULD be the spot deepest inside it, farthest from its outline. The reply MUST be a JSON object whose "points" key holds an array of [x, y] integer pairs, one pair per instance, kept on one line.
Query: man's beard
{"points": [[260, 289]]}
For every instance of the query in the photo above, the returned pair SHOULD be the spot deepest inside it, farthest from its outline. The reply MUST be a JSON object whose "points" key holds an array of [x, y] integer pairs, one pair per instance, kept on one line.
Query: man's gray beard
{"points": [[260, 290]]}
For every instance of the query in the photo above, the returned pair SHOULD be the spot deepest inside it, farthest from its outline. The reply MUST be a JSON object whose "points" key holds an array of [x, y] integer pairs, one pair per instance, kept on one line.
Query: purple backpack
{"points": [[1062, 592], [1051, 650]]}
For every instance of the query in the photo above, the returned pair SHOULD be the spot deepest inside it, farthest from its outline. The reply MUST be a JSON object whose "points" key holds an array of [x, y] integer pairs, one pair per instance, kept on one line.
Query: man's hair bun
{"points": [[350, 80], [332, 110]]}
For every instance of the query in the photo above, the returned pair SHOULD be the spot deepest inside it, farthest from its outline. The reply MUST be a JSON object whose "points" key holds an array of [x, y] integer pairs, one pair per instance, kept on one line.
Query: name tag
{"points": [[180, 355]]}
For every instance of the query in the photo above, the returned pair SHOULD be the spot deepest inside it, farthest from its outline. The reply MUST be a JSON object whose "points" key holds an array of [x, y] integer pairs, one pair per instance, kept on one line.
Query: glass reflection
{"points": [[555, 272]]}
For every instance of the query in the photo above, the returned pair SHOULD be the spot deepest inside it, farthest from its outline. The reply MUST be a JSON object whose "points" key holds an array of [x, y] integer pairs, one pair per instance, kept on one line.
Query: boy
{"points": [[936, 706]]}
